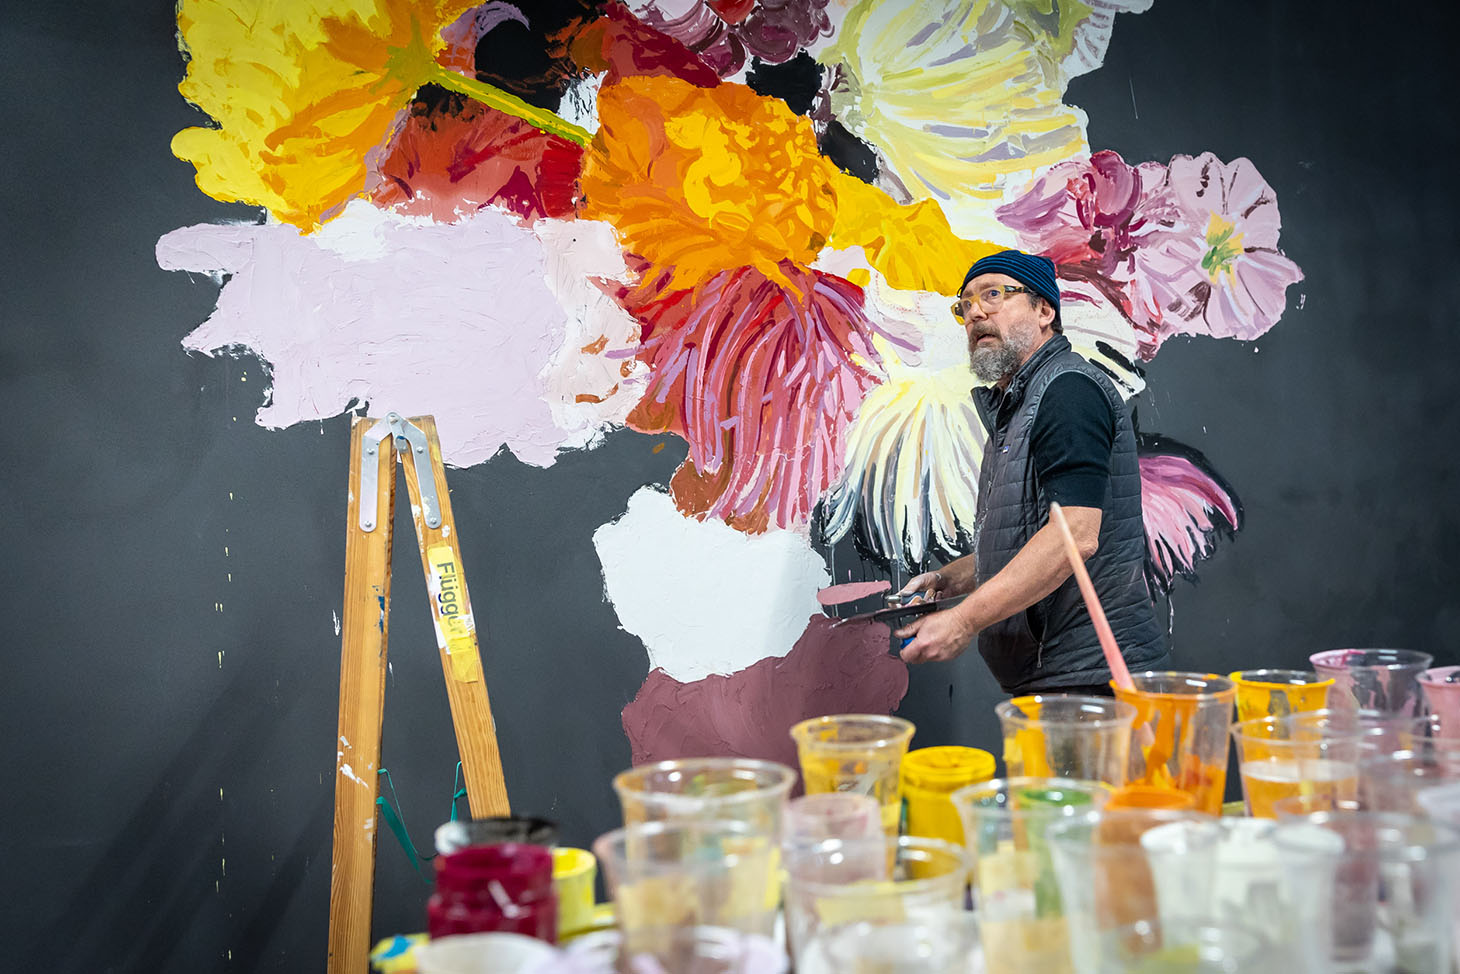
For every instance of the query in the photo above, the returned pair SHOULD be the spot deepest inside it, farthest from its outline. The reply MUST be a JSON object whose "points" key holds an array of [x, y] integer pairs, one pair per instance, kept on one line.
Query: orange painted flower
{"points": [[701, 180], [305, 90]]}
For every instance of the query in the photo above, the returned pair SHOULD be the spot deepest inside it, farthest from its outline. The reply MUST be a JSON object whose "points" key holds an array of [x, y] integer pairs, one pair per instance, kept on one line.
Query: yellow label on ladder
{"points": [[455, 630]]}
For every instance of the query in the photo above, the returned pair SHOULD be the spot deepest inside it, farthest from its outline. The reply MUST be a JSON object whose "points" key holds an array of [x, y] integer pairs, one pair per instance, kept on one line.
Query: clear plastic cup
{"points": [[670, 877], [1181, 726], [831, 815], [925, 881], [1022, 922], [857, 753], [1442, 804], [1273, 765], [1118, 869], [1252, 886], [1386, 680], [947, 945], [1278, 693], [1441, 687], [739, 789], [1066, 736], [1392, 781], [1393, 880]]}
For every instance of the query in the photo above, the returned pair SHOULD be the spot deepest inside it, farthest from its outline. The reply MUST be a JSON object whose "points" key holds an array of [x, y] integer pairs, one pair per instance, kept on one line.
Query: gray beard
{"points": [[994, 364]]}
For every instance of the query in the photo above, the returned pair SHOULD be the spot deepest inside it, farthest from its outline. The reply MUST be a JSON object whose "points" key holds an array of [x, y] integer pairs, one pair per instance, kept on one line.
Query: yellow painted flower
{"points": [[700, 180], [304, 90], [911, 246]]}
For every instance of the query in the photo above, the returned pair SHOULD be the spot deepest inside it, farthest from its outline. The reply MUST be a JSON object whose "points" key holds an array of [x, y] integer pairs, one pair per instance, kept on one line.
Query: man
{"points": [[1058, 432]]}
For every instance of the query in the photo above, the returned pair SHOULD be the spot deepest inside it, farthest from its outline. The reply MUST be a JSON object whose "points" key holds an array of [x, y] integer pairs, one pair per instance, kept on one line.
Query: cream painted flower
{"points": [[963, 98]]}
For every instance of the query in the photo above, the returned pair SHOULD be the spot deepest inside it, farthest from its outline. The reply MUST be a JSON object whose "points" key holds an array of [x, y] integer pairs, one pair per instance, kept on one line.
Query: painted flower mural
{"points": [[645, 232]]}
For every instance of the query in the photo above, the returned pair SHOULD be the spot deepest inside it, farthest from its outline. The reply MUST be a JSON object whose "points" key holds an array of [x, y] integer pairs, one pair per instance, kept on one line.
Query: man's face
{"points": [[1000, 341]]}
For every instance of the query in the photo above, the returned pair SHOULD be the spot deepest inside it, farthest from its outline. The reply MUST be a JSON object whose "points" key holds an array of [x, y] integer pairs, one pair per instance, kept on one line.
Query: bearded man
{"points": [[1058, 432]]}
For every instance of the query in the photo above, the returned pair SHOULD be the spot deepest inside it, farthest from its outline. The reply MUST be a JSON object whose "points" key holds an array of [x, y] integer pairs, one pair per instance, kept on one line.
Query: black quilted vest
{"points": [[1052, 644]]}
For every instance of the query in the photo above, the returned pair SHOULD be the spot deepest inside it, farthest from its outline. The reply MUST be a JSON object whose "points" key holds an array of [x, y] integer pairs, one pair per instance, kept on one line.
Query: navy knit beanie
{"points": [[1030, 270]]}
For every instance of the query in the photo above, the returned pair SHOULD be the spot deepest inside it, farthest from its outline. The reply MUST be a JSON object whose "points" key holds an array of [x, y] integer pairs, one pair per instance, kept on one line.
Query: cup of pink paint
{"points": [[1441, 687]]}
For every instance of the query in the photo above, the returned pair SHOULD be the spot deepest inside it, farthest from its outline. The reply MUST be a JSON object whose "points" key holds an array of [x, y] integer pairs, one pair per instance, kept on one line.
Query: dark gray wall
{"points": [[170, 812]]}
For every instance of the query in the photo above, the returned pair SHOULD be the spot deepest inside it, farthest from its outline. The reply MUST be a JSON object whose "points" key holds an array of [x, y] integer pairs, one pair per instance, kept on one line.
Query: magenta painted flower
{"points": [[1185, 249]]}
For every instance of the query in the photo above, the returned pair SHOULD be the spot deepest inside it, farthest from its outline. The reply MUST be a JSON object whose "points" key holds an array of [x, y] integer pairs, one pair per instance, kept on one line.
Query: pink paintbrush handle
{"points": [[1118, 670]]}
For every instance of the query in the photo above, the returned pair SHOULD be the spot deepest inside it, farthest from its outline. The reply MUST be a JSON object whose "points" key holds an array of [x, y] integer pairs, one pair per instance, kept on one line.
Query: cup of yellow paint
{"points": [[930, 776], [574, 871], [1278, 693], [857, 753]]}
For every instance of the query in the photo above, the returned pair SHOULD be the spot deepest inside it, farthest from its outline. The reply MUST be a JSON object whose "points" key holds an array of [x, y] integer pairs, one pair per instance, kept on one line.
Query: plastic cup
{"points": [[1252, 886], [1066, 736], [481, 953], [1393, 882], [1278, 693], [671, 877], [830, 815], [1443, 697], [857, 753], [1273, 765], [1188, 716], [1022, 922], [943, 946], [1442, 804], [925, 882], [1393, 781], [1386, 680], [739, 789], [930, 776], [1120, 869]]}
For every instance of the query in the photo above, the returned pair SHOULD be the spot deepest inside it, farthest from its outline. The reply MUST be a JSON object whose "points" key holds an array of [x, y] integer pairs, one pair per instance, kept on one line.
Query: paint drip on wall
{"points": [[734, 223]]}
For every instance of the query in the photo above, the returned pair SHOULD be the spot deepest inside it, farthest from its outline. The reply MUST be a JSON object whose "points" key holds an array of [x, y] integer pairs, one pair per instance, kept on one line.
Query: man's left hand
{"points": [[937, 636]]}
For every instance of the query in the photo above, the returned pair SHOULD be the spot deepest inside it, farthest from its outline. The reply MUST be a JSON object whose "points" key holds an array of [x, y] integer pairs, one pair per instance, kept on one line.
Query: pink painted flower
{"points": [[762, 379], [1185, 249]]}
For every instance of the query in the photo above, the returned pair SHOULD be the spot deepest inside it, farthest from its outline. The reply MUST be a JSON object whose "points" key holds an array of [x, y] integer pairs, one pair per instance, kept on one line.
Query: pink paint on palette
{"points": [[850, 592], [750, 713]]}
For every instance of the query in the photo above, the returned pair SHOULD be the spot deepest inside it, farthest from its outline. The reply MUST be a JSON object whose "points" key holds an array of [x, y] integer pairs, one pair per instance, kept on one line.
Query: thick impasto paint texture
{"points": [[735, 222]]}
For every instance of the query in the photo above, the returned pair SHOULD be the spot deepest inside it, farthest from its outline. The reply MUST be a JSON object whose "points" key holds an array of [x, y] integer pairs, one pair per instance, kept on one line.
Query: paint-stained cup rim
{"points": [[1199, 686], [1095, 713], [1279, 679], [766, 779], [1397, 659], [896, 733]]}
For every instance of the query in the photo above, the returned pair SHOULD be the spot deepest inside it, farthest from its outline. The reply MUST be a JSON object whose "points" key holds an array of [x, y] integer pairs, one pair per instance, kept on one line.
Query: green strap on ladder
{"points": [[396, 822]]}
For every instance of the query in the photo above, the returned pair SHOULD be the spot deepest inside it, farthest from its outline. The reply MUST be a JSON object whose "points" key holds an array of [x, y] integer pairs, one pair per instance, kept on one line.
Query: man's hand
{"points": [[930, 585], [937, 636]]}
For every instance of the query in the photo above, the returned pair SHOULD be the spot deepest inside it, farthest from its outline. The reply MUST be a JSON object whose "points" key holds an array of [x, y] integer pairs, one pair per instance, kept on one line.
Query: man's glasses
{"points": [[989, 298]]}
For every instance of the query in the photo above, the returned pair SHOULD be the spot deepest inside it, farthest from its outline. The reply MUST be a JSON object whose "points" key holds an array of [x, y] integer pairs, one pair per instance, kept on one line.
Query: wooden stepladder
{"points": [[374, 445]]}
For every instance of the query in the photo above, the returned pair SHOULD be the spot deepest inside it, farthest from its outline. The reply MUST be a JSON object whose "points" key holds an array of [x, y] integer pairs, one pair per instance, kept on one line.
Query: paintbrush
{"points": [[1118, 670]]}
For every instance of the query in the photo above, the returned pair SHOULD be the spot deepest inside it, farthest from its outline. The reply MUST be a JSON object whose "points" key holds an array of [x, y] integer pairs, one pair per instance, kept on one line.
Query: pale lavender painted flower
{"points": [[1221, 274]]}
